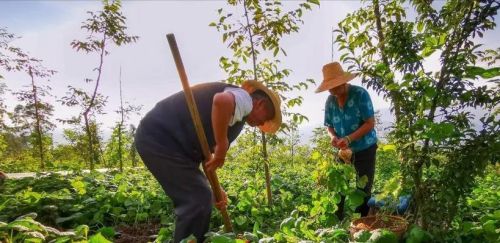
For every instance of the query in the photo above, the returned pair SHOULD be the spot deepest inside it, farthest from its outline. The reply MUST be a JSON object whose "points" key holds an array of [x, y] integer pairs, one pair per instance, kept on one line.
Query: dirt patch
{"points": [[137, 233]]}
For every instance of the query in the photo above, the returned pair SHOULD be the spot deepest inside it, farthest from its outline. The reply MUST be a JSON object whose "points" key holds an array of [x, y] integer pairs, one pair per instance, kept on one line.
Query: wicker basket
{"points": [[397, 225]]}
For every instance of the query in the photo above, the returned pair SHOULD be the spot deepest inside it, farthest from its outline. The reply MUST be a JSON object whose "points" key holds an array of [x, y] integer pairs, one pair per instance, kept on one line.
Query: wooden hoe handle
{"points": [[212, 176]]}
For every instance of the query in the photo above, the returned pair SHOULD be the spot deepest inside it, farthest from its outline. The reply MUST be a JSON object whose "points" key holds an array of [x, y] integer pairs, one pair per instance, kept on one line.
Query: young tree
{"points": [[12, 58], [124, 112], [3, 113], [75, 149], [441, 149], [252, 35], [104, 27], [78, 98], [36, 111]]}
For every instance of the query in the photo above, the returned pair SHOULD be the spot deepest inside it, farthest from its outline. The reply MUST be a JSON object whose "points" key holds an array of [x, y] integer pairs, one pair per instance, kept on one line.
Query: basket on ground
{"points": [[396, 224]]}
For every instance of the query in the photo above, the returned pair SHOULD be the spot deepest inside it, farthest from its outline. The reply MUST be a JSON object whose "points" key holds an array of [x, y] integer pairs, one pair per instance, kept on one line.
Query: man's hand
{"points": [[222, 203], [334, 141], [214, 163], [342, 143]]}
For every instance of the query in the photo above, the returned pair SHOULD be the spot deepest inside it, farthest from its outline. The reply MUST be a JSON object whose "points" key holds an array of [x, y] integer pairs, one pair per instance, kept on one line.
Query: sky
{"points": [[47, 28]]}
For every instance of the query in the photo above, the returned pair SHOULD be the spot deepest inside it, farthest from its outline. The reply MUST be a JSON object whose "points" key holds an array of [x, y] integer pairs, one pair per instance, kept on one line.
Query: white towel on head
{"points": [[242, 104]]}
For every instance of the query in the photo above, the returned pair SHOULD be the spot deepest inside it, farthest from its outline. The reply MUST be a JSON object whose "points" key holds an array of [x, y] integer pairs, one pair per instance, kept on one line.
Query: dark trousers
{"points": [[364, 163], [185, 184]]}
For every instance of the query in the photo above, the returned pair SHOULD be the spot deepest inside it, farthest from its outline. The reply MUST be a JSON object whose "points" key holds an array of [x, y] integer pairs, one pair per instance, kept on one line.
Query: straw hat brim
{"points": [[274, 124], [334, 82]]}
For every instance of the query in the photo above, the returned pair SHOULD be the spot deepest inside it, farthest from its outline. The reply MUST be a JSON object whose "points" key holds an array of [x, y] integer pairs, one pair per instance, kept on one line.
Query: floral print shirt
{"points": [[357, 109]]}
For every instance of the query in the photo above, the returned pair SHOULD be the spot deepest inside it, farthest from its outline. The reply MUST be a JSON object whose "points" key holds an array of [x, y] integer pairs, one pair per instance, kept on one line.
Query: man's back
{"points": [[168, 127]]}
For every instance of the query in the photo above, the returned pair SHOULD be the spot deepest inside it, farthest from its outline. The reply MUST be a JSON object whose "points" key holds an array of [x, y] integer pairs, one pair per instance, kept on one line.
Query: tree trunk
{"points": [[266, 169], [264, 147], [38, 125], [90, 142], [91, 103], [120, 125]]}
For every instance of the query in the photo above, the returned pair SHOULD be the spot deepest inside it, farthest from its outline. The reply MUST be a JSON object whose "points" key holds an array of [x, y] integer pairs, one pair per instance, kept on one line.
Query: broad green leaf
{"points": [[98, 238], [82, 231], [31, 215], [442, 39], [52, 231], [34, 236], [240, 220], [74, 216], [362, 236], [393, 87], [418, 235], [430, 92], [287, 224], [389, 147], [315, 155], [29, 224], [440, 131], [392, 187], [428, 51], [490, 226], [420, 26], [221, 239], [79, 187], [473, 71], [383, 236], [355, 198], [313, 1], [108, 232], [362, 181]]}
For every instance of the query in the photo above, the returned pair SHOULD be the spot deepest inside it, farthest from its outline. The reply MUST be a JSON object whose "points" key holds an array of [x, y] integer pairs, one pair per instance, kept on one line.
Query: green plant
{"points": [[109, 26], [479, 217], [440, 148], [26, 229]]}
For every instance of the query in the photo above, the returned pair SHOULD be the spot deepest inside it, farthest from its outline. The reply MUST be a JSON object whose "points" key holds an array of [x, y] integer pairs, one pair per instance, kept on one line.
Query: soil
{"points": [[138, 233]]}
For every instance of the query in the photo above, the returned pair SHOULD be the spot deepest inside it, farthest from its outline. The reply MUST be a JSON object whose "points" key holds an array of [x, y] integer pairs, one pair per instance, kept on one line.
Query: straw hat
{"points": [[333, 76], [274, 124]]}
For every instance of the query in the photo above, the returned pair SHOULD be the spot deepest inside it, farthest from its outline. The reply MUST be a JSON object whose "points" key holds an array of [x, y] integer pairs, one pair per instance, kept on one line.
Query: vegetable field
{"points": [[433, 66], [131, 207]]}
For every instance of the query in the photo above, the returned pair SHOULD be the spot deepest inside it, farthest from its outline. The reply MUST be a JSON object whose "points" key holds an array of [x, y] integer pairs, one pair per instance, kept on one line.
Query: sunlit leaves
{"points": [[486, 73], [257, 34], [432, 104], [108, 24]]}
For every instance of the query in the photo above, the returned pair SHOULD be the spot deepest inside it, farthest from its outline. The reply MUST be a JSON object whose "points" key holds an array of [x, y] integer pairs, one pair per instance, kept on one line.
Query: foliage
{"points": [[256, 35], [124, 112], [442, 144], [33, 114], [26, 229], [13, 58], [251, 35], [109, 26], [479, 219], [115, 157], [441, 148], [303, 205], [388, 168], [86, 129], [96, 199]]}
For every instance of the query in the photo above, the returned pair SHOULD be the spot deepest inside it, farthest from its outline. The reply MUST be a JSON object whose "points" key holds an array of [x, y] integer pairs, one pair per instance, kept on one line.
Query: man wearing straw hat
{"points": [[167, 143], [350, 122]]}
